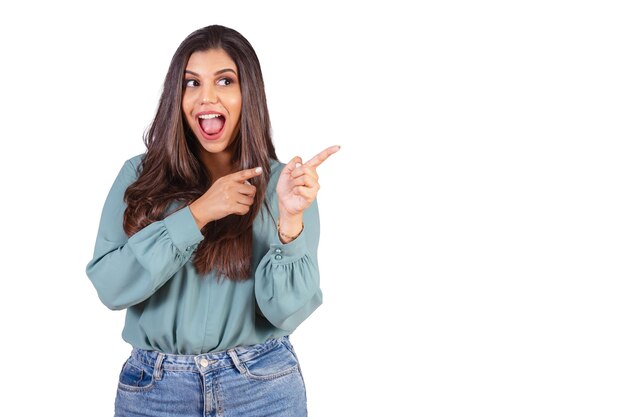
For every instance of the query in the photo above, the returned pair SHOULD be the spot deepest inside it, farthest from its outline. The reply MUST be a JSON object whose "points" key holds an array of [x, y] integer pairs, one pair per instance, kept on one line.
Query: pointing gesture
{"points": [[230, 194], [298, 185], [322, 156]]}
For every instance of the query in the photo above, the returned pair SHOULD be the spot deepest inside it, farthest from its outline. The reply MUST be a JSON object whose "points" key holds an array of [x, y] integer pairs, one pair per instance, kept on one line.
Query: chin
{"points": [[214, 146]]}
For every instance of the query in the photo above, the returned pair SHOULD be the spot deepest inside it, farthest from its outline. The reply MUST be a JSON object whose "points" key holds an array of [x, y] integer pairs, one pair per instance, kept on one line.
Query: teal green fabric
{"points": [[173, 309]]}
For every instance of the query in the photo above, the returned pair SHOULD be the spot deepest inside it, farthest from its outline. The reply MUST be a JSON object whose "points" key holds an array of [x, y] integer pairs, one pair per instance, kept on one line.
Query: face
{"points": [[212, 99]]}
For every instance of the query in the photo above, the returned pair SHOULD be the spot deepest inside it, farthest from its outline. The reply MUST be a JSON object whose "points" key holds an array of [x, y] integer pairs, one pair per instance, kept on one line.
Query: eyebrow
{"points": [[216, 72]]}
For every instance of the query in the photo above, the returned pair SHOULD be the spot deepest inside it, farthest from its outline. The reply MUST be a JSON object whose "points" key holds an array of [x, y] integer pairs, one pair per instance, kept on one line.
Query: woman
{"points": [[210, 244]]}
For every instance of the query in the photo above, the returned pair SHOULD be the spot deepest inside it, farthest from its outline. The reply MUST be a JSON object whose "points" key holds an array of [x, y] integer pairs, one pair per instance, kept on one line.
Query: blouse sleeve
{"points": [[126, 271], [287, 280]]}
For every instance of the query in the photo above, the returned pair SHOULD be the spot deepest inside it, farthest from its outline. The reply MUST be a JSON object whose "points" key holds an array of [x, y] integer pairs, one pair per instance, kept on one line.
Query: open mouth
{"points": [[212, 124]]}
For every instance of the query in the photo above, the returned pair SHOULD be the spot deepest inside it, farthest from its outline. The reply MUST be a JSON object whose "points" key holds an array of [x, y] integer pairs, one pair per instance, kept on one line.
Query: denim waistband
{"points": [[206, 361]]}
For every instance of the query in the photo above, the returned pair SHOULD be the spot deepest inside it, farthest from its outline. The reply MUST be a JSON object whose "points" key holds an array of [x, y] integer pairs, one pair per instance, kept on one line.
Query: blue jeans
{"points": [[256, 380]]}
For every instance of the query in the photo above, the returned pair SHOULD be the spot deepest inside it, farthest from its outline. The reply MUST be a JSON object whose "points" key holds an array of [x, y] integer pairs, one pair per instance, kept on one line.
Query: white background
{"points": [[473, 223]]}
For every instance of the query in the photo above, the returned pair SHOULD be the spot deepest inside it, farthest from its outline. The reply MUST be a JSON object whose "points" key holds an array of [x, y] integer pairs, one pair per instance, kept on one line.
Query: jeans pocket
{"points": [[276, 362], [136, 376]]}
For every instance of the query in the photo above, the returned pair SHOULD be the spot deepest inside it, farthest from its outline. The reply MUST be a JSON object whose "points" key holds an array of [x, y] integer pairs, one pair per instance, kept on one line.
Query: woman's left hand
{"points": [[298, 184]]}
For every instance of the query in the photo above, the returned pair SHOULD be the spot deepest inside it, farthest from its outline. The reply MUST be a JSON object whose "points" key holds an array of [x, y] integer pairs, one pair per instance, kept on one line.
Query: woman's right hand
{"points": [[230, 194]]}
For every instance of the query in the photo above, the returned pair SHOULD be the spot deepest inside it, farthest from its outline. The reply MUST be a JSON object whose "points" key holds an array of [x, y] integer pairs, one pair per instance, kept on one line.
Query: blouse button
{"points": [[278, 257], [278, 250]]}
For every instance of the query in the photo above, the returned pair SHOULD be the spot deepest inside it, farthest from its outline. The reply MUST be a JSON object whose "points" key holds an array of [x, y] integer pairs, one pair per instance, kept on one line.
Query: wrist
{"points": [[289, 226], [200, 215], [289, 222], [288, 237]]}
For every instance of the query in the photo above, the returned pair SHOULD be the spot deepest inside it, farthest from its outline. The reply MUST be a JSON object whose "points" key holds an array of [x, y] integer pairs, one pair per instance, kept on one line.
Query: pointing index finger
{"points": [[322, 156], [246, 174]]}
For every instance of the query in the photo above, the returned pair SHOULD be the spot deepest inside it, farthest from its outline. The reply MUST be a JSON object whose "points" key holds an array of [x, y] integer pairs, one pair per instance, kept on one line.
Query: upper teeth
{"points": [[209, 116]]}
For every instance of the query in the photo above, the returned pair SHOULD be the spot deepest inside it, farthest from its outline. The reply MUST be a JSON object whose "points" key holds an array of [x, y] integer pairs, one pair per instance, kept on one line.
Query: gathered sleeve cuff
{"points": [[163, 247], [126, 271], [183, 230], [287, 280]]}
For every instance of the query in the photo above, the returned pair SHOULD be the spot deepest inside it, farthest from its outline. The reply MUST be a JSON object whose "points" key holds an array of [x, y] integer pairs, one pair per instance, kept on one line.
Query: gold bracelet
{"points": [[287, 236]]}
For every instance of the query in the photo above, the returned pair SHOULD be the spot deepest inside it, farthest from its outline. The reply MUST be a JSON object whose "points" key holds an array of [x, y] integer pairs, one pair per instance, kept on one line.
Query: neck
{"points": [[218, 164]]}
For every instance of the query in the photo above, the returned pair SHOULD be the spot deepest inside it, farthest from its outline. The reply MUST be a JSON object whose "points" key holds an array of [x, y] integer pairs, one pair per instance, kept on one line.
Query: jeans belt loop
{"points": [[158, 366], [235, 358]]}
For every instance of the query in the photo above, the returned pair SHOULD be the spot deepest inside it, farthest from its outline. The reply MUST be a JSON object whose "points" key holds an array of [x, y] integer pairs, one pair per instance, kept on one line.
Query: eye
{"points": [[225, 81], [191, 83]]}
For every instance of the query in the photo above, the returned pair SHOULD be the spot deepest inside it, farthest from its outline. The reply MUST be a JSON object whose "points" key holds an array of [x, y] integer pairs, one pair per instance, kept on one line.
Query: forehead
{"points": [[210, 61]]}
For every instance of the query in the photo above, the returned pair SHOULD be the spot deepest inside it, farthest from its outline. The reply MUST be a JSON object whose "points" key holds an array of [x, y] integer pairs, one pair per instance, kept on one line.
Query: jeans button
{"points": [[204, 363]]}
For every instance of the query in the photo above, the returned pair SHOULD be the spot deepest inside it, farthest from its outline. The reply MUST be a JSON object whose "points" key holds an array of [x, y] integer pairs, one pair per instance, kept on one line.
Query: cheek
{"points": [[234, 101], [187, 107], [235, 105], [188, 119]]}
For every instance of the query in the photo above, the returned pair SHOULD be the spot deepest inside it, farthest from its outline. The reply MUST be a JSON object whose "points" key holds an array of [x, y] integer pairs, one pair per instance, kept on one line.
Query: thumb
{"points": [[295, 162]]}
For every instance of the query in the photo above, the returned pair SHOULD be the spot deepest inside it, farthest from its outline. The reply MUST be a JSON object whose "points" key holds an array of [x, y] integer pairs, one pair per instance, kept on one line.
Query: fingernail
{"points": [[258, 170], [298, 164]]}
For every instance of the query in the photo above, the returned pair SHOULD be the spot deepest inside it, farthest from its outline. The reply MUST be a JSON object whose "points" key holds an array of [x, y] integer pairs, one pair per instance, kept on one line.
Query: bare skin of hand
{"points": [[297, 188], [230, 194]]}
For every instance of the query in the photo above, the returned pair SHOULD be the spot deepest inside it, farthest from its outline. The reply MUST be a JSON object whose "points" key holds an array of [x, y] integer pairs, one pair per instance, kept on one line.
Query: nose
{"points": [[209, 95]]}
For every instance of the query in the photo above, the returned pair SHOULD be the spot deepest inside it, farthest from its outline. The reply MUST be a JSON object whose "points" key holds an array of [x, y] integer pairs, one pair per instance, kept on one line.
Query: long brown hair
{"points": [[171, 170]]}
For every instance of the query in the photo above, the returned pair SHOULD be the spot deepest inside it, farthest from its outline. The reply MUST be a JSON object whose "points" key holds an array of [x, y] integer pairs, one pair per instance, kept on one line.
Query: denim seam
{"points": [[181, 369], [131, 388], [272, 376], [287, 371], [243, 357], [217, 398]]}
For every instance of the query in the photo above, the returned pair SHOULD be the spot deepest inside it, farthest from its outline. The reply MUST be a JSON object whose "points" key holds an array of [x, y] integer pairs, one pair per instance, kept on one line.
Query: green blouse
{"points": [[171, 308]]}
